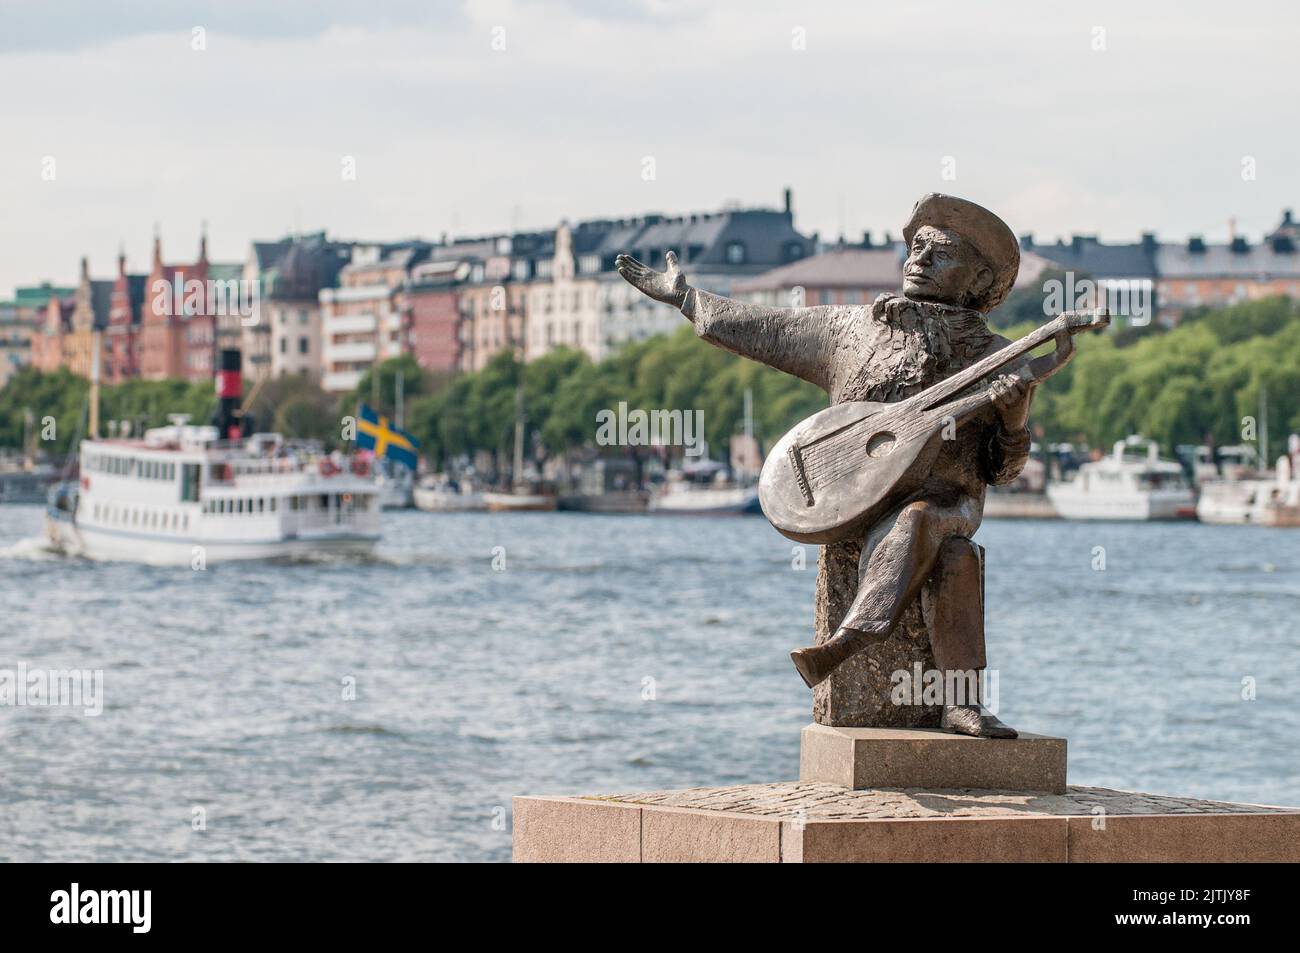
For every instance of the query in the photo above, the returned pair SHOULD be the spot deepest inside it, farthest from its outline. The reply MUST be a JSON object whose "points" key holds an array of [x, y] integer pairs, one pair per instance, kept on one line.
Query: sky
{"points": [[483, 116]]}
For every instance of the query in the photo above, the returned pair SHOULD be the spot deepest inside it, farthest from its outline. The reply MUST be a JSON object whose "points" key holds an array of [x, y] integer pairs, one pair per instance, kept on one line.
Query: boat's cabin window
{"points": [[190, 482], [1160, 481]]}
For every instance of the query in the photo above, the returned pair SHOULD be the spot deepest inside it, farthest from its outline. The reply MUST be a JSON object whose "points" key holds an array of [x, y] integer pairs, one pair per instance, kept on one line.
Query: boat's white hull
{"points": [[1073, 504], [443, 501], [394, 495], [518, 502], [119, 546], [707, 502], [1226, 504], [1249, 502]]}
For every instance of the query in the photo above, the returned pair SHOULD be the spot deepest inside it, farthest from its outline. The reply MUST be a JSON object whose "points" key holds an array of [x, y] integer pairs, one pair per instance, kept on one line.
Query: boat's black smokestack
{"points": [[229, 420]]}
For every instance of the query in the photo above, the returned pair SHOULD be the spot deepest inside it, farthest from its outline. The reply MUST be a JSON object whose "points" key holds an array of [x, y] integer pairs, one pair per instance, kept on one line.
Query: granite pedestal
{"points": [[900, 795], [860, 758]]}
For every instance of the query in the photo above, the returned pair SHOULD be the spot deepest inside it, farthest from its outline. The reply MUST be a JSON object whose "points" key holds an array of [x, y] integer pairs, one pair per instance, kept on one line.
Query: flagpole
{"points": [[401, 392]]}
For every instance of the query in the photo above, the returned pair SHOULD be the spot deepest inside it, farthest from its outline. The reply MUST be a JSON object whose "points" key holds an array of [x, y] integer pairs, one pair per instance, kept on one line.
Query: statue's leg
{"points": [[898, 554], [953, 606]]}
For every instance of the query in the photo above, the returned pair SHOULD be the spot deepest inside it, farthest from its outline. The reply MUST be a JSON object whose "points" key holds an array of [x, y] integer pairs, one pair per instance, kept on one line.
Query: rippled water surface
{"points": [[608, 654]]}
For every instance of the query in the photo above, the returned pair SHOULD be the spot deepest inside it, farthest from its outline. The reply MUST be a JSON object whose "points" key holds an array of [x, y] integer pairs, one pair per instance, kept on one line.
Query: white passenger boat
{"points": [[1133, 483], [181, 496]]}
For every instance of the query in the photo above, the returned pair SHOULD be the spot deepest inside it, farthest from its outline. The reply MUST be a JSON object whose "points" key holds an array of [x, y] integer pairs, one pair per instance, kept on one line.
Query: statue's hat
{"points": [[989, 234]]}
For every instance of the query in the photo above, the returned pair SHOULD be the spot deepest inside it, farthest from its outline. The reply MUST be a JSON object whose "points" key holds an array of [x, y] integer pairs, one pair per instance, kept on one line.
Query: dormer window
{"points": [[735, 253], [793, 251]]}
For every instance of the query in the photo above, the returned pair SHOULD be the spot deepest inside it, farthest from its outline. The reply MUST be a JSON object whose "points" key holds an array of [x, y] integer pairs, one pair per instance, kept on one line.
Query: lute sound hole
{"points": [[881, 445]]}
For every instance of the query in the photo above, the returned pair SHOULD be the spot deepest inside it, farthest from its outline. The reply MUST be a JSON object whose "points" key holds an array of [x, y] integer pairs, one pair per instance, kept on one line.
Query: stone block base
{"points": [[860, 758], [799, 822]]}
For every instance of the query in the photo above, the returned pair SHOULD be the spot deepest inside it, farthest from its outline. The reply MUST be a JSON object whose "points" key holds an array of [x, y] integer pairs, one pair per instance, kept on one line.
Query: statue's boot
{"points": [[974, 721], [816, 662]]}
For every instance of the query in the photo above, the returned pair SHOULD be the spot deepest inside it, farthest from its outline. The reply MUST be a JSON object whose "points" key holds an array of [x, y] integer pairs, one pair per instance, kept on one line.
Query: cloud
{"points": [[450, 134]]}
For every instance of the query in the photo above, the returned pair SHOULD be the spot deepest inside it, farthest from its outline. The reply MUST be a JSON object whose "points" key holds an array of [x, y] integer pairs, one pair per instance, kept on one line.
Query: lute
{"points": [[843, 468]]}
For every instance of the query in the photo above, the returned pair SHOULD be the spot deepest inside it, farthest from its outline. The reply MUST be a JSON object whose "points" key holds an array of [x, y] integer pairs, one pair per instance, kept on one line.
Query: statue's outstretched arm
{"points": [[799, 341]]}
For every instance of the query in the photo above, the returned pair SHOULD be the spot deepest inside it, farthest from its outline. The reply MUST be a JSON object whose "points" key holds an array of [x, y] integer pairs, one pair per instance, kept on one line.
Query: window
{"points": [[190, 483], [735, 253], [284, 345], [303, 346]]}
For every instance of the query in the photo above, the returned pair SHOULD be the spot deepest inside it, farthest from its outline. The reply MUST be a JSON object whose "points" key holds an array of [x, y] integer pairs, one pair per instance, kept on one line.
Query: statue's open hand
{"points": [[668, 286], [1011, 394]]}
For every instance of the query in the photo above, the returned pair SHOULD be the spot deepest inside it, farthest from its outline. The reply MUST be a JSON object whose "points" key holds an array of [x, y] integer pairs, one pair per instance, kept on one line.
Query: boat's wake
{"points": [[31, 549]]}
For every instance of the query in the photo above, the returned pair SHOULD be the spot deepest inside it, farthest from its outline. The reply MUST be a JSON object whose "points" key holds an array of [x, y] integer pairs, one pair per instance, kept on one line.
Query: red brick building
{"points": [[177, 332], [122, 343], [431, 302]]}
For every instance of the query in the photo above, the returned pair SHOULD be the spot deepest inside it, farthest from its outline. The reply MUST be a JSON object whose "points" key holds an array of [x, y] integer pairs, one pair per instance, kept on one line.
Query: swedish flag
{"points": [[374, 433]]}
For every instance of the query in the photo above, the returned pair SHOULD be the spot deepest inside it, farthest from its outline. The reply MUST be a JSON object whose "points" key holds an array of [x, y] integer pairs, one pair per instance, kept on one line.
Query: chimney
{"points": [[1027, 241], [230, 388], [85, 268], [789, 202], [1148, 241], [1196, 245], [121, 261], [866, 239], [157, 248], [203, 243]]}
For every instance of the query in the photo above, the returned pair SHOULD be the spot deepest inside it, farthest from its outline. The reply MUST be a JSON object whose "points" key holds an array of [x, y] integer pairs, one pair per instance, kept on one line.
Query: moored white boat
{"points": [[180, 497], [707, 500], [395, 485], [1133, 483], [1263, 501], [518, 502], [442, 495]]}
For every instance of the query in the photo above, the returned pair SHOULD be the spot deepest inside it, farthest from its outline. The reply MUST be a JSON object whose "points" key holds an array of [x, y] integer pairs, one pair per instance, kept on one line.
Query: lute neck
{"points": [[948, 388]]}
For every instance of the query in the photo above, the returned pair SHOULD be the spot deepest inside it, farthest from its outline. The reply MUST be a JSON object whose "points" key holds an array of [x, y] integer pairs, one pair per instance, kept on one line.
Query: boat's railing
{"points": [[277, 471]]}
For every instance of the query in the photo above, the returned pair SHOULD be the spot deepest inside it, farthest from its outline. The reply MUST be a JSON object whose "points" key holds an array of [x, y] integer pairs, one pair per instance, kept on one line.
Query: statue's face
{"points": [[942, 266]]}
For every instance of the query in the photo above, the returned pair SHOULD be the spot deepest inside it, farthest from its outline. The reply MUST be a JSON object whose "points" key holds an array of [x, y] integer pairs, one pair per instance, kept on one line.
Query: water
{"points": [[610, 654]]}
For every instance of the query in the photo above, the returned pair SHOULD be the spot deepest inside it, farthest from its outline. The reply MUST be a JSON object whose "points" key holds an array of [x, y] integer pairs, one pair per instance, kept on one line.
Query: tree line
{"points": [[1201, 381]]}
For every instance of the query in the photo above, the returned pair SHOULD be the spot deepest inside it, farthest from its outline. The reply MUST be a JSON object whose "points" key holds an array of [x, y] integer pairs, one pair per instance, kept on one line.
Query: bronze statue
{"points": [[962, 261]]}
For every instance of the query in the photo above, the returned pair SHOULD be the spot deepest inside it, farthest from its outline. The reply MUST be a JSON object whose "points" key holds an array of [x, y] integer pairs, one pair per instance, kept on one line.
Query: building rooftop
{"points": [[38, 296], [1086, 255], [838, 268], [1235, 260]]}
